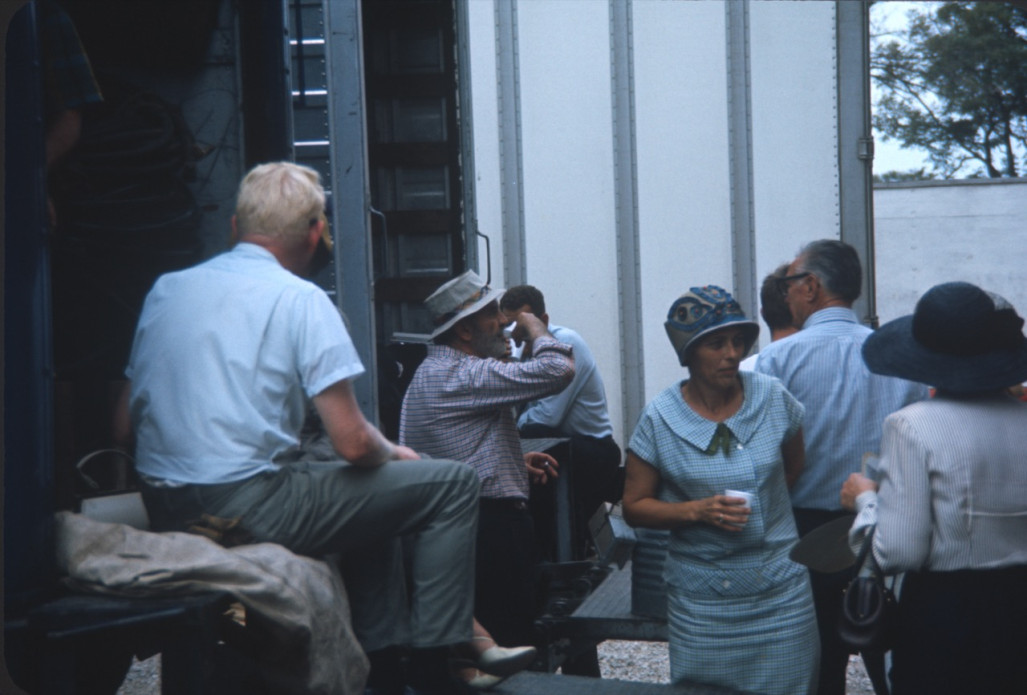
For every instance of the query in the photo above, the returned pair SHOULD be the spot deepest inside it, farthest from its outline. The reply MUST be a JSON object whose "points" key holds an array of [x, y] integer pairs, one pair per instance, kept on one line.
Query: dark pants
{"points": [[595, 475], [504, 601], [962, 632], [827, 600]]}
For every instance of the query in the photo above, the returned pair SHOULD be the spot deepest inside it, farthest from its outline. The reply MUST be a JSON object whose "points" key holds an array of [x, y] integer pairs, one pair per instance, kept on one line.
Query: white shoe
{"points": [[484, 681], [505, 661]]}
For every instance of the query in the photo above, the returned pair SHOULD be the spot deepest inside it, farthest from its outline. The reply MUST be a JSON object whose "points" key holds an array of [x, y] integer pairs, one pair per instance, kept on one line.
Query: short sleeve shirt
{"points": [[674, 439], [581, 407], [225, 358]]}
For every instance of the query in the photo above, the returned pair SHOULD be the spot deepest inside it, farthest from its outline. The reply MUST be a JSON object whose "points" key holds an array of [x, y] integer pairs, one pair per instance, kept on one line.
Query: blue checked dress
{"points": [[740, 612]]}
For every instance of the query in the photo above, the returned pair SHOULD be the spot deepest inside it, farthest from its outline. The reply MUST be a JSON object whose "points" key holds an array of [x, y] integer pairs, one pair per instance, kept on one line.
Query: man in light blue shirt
{"points": [[227, 357], [822, 366], [579, 412]]}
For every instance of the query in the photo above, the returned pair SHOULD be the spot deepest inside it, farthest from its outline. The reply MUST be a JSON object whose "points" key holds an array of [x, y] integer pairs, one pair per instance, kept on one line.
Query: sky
{"points": [[888, 156]]}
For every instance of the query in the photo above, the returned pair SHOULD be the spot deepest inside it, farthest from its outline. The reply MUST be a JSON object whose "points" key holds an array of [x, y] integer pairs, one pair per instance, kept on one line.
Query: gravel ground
{"points": [[647, 662], [143, 678], [634, 661]]}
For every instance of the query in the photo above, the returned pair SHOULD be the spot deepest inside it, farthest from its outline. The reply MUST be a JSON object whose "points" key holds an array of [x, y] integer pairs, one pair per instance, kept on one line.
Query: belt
{"points": [[515, 503]]}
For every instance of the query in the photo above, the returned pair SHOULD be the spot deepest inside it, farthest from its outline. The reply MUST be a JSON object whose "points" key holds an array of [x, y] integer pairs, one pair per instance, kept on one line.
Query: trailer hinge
{"points": [[865, 148]]}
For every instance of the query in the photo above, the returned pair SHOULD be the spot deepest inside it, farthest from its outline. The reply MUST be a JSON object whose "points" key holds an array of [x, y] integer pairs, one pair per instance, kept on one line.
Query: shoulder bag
{"points": [[868, 618]]}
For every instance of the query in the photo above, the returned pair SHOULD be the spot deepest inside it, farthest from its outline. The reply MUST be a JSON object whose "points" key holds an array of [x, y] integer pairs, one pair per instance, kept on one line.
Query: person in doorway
{"points": [[822, 366], [227, 354], [70, 89], [730, 580]]}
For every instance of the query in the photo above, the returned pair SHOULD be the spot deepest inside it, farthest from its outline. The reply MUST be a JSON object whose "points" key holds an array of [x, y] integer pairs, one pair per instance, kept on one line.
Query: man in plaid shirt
{"points": [[460, 405]]}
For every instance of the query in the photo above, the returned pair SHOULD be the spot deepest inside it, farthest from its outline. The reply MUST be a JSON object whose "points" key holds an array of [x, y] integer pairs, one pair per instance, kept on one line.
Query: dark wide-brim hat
{"points": [[960, 339], [701, 311]]}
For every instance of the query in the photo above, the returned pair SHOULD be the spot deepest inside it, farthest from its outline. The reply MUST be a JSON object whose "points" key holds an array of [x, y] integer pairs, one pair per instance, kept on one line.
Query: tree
{"points": [[955, 85]]}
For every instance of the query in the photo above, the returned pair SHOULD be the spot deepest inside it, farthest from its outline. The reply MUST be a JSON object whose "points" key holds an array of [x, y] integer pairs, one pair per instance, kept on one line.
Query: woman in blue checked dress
{"points": [[740, 612]]}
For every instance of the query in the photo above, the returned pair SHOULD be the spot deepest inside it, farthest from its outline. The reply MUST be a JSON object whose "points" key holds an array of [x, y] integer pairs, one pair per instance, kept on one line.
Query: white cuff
{"points": [[865, 499]]}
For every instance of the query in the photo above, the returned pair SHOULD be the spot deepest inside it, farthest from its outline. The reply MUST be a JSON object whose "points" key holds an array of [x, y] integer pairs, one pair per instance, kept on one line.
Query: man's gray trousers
{"points": [[322, 508]]}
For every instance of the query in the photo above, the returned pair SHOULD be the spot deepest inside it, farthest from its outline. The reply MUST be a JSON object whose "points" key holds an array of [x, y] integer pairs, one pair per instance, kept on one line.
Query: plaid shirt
{"points": [[461, 407]]}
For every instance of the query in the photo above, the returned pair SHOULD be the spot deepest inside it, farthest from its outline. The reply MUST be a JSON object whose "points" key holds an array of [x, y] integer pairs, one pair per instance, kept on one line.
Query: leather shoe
{"points": [[484, 681], [505, 661]]}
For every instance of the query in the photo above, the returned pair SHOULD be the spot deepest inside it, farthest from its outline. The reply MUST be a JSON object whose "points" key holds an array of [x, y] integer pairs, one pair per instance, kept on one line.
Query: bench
{"points": [[85, 643]]}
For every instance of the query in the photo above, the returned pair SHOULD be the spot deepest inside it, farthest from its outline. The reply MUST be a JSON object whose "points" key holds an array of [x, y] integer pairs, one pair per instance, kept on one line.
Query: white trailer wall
{"points": [[684, 189], [795, 136], [927, 233], [566, 136], [554, 108]]}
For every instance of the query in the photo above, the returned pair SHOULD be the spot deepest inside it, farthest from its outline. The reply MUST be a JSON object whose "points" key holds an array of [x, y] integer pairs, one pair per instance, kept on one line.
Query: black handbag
{"points": [[869, 615]]}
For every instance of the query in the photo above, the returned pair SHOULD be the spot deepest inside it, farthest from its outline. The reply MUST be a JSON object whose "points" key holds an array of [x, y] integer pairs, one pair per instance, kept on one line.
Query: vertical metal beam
{"points": [[347, 135], [625, 165], [856, 144], [511, 158], [463, 87], [740, 168]]}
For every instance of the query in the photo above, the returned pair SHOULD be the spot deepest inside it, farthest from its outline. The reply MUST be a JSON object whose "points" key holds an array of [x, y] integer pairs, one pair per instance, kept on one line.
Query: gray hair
{"points": [[836, 264]]}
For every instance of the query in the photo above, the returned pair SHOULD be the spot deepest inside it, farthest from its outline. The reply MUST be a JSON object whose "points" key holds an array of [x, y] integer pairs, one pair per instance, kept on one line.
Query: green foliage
{"points": [[901, 176], [955, 84]]}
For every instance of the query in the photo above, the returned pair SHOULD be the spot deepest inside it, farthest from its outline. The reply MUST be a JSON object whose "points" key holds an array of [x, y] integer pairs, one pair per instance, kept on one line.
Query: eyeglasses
{"points": [[784, 283]]}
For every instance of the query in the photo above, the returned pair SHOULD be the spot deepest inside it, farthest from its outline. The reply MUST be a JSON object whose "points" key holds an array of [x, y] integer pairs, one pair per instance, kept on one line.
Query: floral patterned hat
{"points": [[703, 310]]}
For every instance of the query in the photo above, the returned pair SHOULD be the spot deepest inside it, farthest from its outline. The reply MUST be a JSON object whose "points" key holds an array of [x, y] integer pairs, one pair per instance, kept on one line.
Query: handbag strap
{"points": [[868, 542], [867, 550]]}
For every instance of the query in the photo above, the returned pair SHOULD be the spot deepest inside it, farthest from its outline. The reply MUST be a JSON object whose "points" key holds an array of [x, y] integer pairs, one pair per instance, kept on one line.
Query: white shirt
{"points": [[225, 356], [749, 363], [953, 489]]}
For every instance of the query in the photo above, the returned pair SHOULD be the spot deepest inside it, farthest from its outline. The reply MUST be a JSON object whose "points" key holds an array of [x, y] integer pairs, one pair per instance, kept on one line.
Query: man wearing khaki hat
{"points": [[460, 405]]}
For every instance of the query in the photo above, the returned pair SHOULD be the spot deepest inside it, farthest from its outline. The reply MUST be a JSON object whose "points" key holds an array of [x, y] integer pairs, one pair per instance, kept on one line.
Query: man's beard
{"points": [[488, 345]]}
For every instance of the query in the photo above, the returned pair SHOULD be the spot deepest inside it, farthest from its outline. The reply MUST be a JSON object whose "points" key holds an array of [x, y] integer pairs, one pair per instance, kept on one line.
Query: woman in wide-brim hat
{"points": [[730, 582], [951, 508]]}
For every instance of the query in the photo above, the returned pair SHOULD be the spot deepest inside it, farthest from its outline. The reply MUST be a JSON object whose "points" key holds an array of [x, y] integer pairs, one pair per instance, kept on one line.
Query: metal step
{"points": [[606, 613]]}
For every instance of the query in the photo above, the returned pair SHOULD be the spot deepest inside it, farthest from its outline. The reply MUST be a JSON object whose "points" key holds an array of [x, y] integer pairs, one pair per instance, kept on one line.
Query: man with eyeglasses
{"points": [[822, 366]]}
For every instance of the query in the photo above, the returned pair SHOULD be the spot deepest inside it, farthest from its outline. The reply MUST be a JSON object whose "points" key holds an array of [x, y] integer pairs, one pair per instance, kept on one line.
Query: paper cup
{"points": [[747, 496]]}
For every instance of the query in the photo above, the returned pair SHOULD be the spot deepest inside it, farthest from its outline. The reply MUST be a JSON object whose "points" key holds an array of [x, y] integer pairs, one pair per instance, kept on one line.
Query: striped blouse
{"points": [[953, 487]]}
